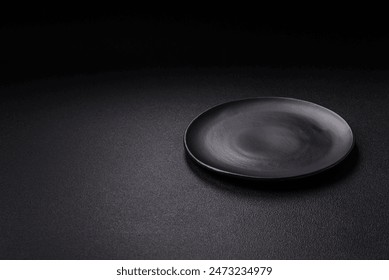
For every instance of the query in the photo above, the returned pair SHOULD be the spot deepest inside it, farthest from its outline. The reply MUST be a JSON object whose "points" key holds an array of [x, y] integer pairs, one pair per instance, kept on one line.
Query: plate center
{"points": [[269, 141]]}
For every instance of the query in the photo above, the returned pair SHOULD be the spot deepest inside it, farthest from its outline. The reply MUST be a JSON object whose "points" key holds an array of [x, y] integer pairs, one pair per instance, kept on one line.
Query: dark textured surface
{"points": [[268, 138], [93, 167]]}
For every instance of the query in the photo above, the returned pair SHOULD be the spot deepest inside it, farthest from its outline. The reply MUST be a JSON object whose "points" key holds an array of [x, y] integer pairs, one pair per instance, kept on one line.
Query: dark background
{"points": [[46, 41], [95, 102]]}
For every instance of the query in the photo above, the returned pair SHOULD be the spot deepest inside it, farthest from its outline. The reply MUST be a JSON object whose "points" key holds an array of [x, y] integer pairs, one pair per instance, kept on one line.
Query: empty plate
{"points": [[268, 138]]}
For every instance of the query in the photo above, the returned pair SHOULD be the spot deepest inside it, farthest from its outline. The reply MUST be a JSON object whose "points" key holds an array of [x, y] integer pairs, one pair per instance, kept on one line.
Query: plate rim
{"points": [[261, 178]]}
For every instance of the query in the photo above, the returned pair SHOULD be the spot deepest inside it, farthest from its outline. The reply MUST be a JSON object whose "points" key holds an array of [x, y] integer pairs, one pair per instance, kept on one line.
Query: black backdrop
{"points": [[94, 106], [42, 41]]}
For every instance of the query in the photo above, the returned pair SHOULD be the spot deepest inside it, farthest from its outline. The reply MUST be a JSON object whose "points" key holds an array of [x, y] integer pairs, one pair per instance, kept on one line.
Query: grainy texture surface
{"points": [[93, 167]]}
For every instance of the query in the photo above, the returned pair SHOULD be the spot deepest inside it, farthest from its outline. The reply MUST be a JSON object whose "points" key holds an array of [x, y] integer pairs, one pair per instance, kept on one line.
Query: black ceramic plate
{"points": [[268, 138]]}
